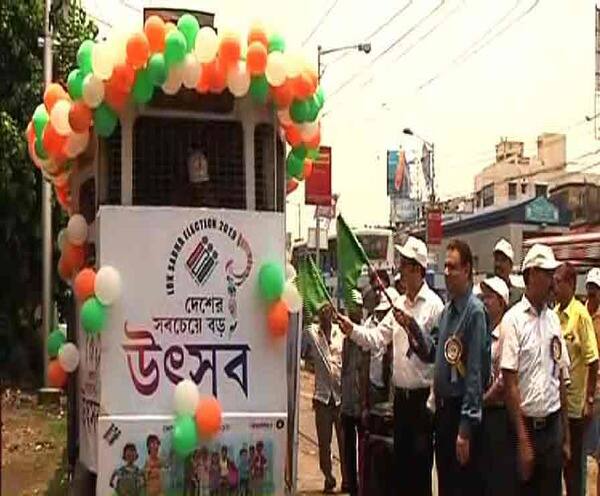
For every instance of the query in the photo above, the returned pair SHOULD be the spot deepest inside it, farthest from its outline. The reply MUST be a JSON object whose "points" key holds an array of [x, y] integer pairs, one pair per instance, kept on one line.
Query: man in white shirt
{"points": [[413, 428], [535, 365], [504, 257]]}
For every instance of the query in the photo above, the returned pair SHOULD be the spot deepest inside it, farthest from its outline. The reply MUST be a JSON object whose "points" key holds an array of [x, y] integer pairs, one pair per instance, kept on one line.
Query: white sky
{"points": [[536, 76]]}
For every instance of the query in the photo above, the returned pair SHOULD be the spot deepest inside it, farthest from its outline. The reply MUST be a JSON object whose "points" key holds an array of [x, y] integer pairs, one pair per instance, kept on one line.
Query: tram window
{"points": [[264, 138], [112, 152], [184, 162]]}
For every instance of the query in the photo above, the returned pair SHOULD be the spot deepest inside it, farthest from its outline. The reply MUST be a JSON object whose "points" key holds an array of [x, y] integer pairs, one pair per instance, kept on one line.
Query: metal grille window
{"points": [[185, 162], [264, 156], [112, 154], [488, 195]]}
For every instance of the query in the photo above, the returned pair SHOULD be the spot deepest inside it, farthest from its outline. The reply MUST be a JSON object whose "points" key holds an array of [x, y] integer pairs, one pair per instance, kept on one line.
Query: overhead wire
{"points": [[320, 22]]}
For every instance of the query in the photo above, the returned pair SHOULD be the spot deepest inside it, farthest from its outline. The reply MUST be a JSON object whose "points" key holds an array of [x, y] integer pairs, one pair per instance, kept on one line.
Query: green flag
{"points": [[311, 286], [350, 257]]}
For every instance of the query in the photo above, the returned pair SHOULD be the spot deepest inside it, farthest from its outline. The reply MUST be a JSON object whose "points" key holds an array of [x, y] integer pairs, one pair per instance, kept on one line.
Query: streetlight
{"points": [[361, 47], [408, 131]]}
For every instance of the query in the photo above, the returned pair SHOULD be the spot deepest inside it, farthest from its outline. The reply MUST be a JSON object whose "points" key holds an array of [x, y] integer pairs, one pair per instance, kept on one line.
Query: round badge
{"points": [[555, 349], [453, 350]]}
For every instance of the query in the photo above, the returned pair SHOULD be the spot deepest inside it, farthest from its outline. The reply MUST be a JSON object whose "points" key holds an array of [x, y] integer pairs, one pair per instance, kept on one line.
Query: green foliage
{"points": [[21, 90]]}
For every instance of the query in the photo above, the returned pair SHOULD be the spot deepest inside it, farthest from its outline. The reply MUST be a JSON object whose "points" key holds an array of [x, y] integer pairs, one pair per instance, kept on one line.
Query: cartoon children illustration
{"points": [[224, 471], [215, 474], [153, 467], [244, 472], [128, 480], [258, 468]]}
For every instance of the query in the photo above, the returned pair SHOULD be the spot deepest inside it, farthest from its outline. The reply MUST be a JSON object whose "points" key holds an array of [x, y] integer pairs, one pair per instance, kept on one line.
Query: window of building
{"points": [[186, 162], [478, 199], [265, 138], [523, 188], [488, 195], [512, 191], [111, 151], [541, 190]]}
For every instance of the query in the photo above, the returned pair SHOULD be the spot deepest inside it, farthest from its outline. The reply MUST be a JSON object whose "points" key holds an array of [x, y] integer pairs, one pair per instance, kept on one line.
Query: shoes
{"points": [[330, 484]]}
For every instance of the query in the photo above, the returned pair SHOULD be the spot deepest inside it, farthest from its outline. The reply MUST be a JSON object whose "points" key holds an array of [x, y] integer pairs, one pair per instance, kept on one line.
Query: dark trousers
{"points": [[574, 468], [547, 448], [413, 442], [455, 479], [499, 453], [353, 433], [326, 417]]}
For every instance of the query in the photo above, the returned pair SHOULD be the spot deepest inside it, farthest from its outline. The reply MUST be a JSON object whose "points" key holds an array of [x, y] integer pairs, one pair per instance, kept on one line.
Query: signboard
{"points": [[317, 189], [402, 210], [398, 174], [312, 238], [541, 211], [435, 231], [252, 447]]}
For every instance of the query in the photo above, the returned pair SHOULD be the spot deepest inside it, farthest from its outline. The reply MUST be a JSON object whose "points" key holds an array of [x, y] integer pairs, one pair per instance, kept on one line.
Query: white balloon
{"points": [[61, 238], [93, 91], [207, 44], [293, 64], [76, 143], [191, 71], [291, 297], [284, 116], [238, 80], [68, 357], [308, 130], [103, 60], [174, 79], [107, 285], [117, 44], [186, 398], [77, 229], [276, 69], [290, 272], [59, 117]]}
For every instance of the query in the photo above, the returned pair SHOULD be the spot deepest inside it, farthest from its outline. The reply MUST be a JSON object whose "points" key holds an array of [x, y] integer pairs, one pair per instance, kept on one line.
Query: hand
{"points": [[526, 459], [566, 450], [401, 317], [588, 411], [462, 449], [345, 324]]}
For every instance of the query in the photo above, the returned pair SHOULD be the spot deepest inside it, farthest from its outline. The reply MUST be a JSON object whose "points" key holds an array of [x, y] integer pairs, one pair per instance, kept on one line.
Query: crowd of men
{"points": [[498, 383]]}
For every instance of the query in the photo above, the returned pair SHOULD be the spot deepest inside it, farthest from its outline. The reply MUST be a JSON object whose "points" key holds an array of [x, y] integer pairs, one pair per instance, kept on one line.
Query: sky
{"points": [[533, 72]]}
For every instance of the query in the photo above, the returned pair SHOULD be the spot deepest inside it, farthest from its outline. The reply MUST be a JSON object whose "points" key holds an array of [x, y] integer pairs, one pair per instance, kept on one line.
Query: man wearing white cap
{"points": [[413, 429], [504, 259], [535, 366]]}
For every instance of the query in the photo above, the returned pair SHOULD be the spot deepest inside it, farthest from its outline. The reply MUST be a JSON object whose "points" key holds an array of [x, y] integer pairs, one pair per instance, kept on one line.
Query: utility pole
{"points": [[46, 210]]}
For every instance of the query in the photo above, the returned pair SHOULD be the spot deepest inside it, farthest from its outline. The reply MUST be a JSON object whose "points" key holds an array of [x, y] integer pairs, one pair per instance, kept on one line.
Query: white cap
{"points": [[593, 277], [498, 286], [540, 256], [414, 249], [505, 247], [384, 303]]}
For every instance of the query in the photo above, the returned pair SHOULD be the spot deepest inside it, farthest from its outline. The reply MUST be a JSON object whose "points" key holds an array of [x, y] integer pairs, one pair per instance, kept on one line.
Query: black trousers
{"points": [[574, 468], [413, 442], [547, 447], [353, 431], [455, 479], [499, 443]]}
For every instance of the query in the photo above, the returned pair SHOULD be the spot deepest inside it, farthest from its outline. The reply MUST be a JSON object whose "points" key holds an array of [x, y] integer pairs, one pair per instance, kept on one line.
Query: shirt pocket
{"points": [[573, 343]]}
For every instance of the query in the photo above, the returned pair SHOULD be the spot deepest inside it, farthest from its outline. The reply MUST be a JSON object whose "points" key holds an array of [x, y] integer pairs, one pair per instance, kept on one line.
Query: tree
{"points": [[21, 89]]}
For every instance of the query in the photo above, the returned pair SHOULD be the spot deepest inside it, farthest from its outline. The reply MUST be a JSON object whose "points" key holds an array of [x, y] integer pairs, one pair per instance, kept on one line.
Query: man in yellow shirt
{"points": [[580, 337]]}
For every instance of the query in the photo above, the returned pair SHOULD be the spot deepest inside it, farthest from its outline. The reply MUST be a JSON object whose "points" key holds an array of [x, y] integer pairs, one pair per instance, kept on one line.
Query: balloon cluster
{"points": [[72, 245], [196, 417], [65, 358], [96, 291], [129, 67], [281, 294]]}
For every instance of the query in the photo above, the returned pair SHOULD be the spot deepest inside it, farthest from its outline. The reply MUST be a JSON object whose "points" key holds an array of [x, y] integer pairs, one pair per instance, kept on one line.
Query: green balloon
{"points": [[276, 43], [84, 57], [75, 84], [93, 316], [175, 47], [313, 153], [313, 110], [55, 340], [105, 120], [320, 96], [40, 151], [299, 110], [157, 69], [259, 89], [40, 119], [189, 26], [185, 436], [300, 152], [271, 280], [142, 88], [294, 166]]}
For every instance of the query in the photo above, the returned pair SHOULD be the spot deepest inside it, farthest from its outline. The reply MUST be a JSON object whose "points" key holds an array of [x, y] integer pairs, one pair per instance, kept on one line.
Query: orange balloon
{"points": [[283, 95], [256, 58], [53, 142], [308, 168], [123, 77], [257, 34], [292, 184], [60, 159], [293, 136], [74, 255], [229, 50], [80, 117], [315, 141], [209, 417], [54, 92], [61, 180], [63, 196], [138, 50], [155, 28], [302, 86], [83, 285], [30, 133], [115, 97], [57, 377], [64, 269], [278, 318], [203, 83]]}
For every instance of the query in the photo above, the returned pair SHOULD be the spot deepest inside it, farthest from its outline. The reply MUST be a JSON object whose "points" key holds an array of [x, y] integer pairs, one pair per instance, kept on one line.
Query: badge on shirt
{"points": [[453, 351]]}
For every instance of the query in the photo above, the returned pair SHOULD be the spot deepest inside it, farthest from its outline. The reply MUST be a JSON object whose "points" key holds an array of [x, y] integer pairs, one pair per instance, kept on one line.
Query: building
{"points": [[515, 177], [579, 194]]}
